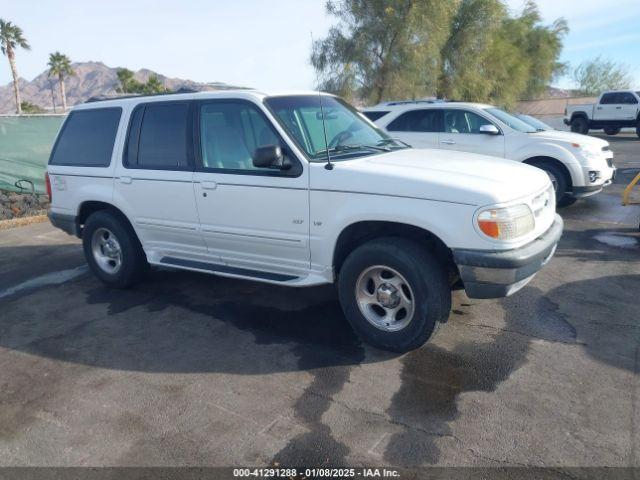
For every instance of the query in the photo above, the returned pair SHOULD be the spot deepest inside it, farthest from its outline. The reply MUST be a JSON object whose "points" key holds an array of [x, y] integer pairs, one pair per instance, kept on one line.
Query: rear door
{"points": [[154, 183], [420, 128], [255, 219], [628, 107], [462, 132]]}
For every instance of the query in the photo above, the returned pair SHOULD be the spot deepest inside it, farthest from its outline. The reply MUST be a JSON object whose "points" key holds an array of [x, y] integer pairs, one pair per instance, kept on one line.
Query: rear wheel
{"points": [[112, 250], [580, 125], [612, 131], [393, 293], [638, 128]]}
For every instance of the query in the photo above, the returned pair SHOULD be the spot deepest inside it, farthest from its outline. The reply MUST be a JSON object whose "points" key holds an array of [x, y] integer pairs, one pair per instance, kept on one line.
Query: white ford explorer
{"points": [[242, 184], [578, 165]]}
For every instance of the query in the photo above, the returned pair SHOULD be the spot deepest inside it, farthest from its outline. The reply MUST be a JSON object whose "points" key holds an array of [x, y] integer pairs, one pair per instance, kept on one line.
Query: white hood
{"points": [[442, 175], [569, 137]]}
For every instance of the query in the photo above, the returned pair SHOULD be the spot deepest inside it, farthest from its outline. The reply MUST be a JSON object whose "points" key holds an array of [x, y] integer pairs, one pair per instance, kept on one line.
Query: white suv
{"points": [[242, 184], [578, 165]]}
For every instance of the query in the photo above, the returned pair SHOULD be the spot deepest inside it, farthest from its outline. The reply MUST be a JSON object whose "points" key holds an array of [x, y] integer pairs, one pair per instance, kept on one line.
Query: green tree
{"points": [[600, 74], [153, 85], [28, 107], [12, 37], [60, 67], [461, 49], [128, 84], [380, 48]]}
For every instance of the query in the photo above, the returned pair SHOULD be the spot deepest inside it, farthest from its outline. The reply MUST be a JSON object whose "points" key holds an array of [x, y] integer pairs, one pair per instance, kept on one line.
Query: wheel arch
{"points": [[579, 114], [542, 159], [360, 232], [89, 207]]}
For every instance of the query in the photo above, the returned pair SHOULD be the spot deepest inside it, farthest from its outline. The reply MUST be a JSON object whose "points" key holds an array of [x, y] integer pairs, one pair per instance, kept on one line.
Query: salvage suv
{"points": [[577, 165], [297, 190]]}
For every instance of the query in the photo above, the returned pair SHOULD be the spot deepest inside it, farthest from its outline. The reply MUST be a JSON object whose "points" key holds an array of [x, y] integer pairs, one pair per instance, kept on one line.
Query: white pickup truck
{"points": [[298, 190], [614, 111]]}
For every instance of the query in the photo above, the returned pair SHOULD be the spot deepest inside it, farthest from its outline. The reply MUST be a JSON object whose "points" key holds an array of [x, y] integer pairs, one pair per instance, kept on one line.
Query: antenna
{"points": [[329, 165]]}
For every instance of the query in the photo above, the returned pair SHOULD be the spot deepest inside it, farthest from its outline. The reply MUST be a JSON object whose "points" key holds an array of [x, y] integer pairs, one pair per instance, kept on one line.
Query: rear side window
{"points": [[87, 138], [373, 116], [158, 136], [608, 98], [428, 120]]}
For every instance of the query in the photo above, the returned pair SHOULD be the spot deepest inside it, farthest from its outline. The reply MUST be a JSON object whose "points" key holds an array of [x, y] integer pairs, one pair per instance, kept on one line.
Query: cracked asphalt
{"points": [[189, 369]]}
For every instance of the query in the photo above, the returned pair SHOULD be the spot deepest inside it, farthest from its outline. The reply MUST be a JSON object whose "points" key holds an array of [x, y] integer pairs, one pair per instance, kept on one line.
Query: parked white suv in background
{"points": [[577, 165], [613, 111], [242, 184]]}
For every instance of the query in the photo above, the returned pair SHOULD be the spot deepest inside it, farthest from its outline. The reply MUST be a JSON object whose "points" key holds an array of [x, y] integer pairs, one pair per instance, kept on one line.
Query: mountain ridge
{"points": [[91, 79]]}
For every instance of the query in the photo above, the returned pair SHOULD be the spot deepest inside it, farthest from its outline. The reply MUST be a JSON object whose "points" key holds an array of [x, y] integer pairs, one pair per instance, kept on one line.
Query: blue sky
{"points": [[258, 43]]}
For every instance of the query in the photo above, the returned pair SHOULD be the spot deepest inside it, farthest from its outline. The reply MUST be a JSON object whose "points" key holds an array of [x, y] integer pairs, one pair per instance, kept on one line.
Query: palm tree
{"points": [[60, 66], [11, 37]]}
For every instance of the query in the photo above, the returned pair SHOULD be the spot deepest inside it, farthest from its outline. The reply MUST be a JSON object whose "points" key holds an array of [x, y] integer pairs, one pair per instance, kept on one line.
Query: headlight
{"points": [[588, 151], [506, 223]]}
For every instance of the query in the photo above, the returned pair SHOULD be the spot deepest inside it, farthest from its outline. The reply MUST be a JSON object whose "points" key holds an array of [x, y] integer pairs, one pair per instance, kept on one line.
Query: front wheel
{"points": [[638, 129], [558, 180], [394, 293], [612, 131]]}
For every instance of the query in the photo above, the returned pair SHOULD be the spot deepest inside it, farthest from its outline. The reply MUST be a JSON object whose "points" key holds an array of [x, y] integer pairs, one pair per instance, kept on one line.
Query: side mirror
{"points": [[489, 129], [270, 156]]}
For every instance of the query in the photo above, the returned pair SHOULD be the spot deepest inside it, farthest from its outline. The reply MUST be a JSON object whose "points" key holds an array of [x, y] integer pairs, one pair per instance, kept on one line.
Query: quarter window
{"points": [[463, 121], [373, 116], [87, 138], [425, 120], [230, 133]]}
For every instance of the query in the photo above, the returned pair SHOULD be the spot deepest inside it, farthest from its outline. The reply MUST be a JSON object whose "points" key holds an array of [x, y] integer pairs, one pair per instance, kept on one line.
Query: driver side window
{"points": [[463, 121], [230, 133]]}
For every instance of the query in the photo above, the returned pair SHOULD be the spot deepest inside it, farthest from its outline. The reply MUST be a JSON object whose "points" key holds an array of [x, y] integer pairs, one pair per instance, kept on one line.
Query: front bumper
{"points": [[499, 273]]}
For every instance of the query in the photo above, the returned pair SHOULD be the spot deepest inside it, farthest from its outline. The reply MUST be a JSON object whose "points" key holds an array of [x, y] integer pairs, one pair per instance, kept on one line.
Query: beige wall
{"points": [[551, 106]]}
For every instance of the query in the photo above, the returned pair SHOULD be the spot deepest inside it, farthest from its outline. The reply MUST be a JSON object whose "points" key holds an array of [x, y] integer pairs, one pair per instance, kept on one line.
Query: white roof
{"points": [[410, 105], [248, 94]]}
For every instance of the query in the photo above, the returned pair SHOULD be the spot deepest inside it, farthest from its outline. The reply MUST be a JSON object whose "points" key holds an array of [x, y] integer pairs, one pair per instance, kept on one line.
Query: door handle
{"points": [[448, 142], [618, 108], [126, 180], [598, 108], [209, 185]]}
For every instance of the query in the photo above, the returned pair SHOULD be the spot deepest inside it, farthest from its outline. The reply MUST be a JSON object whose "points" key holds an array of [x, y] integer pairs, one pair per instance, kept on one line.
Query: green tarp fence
{"points": [[25, 144]]}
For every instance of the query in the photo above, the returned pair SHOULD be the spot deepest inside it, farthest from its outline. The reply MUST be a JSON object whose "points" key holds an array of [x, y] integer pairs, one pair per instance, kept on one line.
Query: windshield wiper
{"points": [[349, 148], [386, 141]]}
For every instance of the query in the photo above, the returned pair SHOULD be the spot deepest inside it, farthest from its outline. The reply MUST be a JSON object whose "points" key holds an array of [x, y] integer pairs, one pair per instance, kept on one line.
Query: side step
{"points": [[215, 267]]}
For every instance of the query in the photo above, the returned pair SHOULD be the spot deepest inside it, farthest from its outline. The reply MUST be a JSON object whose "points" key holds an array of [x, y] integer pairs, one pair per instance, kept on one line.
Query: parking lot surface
{"points": [[190, 369]]}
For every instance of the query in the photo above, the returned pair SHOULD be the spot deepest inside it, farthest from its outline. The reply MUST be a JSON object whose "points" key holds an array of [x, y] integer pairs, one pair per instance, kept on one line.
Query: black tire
{"points": [[611, 131], [580, 125], [638, 129], [559, 180], [132, 260], [426, 278]]}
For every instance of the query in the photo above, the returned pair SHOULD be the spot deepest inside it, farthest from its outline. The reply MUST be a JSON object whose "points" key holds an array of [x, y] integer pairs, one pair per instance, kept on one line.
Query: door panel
{"points": [[250, 217], [420, 127], [462, 132], [154, 186], [606, 108]]}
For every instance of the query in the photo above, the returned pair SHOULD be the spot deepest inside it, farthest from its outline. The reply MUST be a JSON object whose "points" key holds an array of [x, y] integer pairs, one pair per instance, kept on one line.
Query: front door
{"points": [[462, 132], [254, 219]]}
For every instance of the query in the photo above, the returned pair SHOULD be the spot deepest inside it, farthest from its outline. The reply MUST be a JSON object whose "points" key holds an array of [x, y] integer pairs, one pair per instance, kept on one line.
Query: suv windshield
{"points": [[510, 120], [539, 125], [348, 134]]}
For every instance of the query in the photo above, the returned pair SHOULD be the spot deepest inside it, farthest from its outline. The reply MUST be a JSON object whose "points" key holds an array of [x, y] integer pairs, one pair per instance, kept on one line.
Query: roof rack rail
{"points": [[104, 98], [405, 102]]}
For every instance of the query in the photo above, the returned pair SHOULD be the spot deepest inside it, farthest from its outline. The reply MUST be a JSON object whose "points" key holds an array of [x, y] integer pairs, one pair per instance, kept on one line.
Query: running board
{"points": [[215, 267]]}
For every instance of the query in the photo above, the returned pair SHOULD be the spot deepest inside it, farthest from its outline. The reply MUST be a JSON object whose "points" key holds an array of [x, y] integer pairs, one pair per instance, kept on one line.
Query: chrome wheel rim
{"points": [[106, 250], [385, 298]]}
